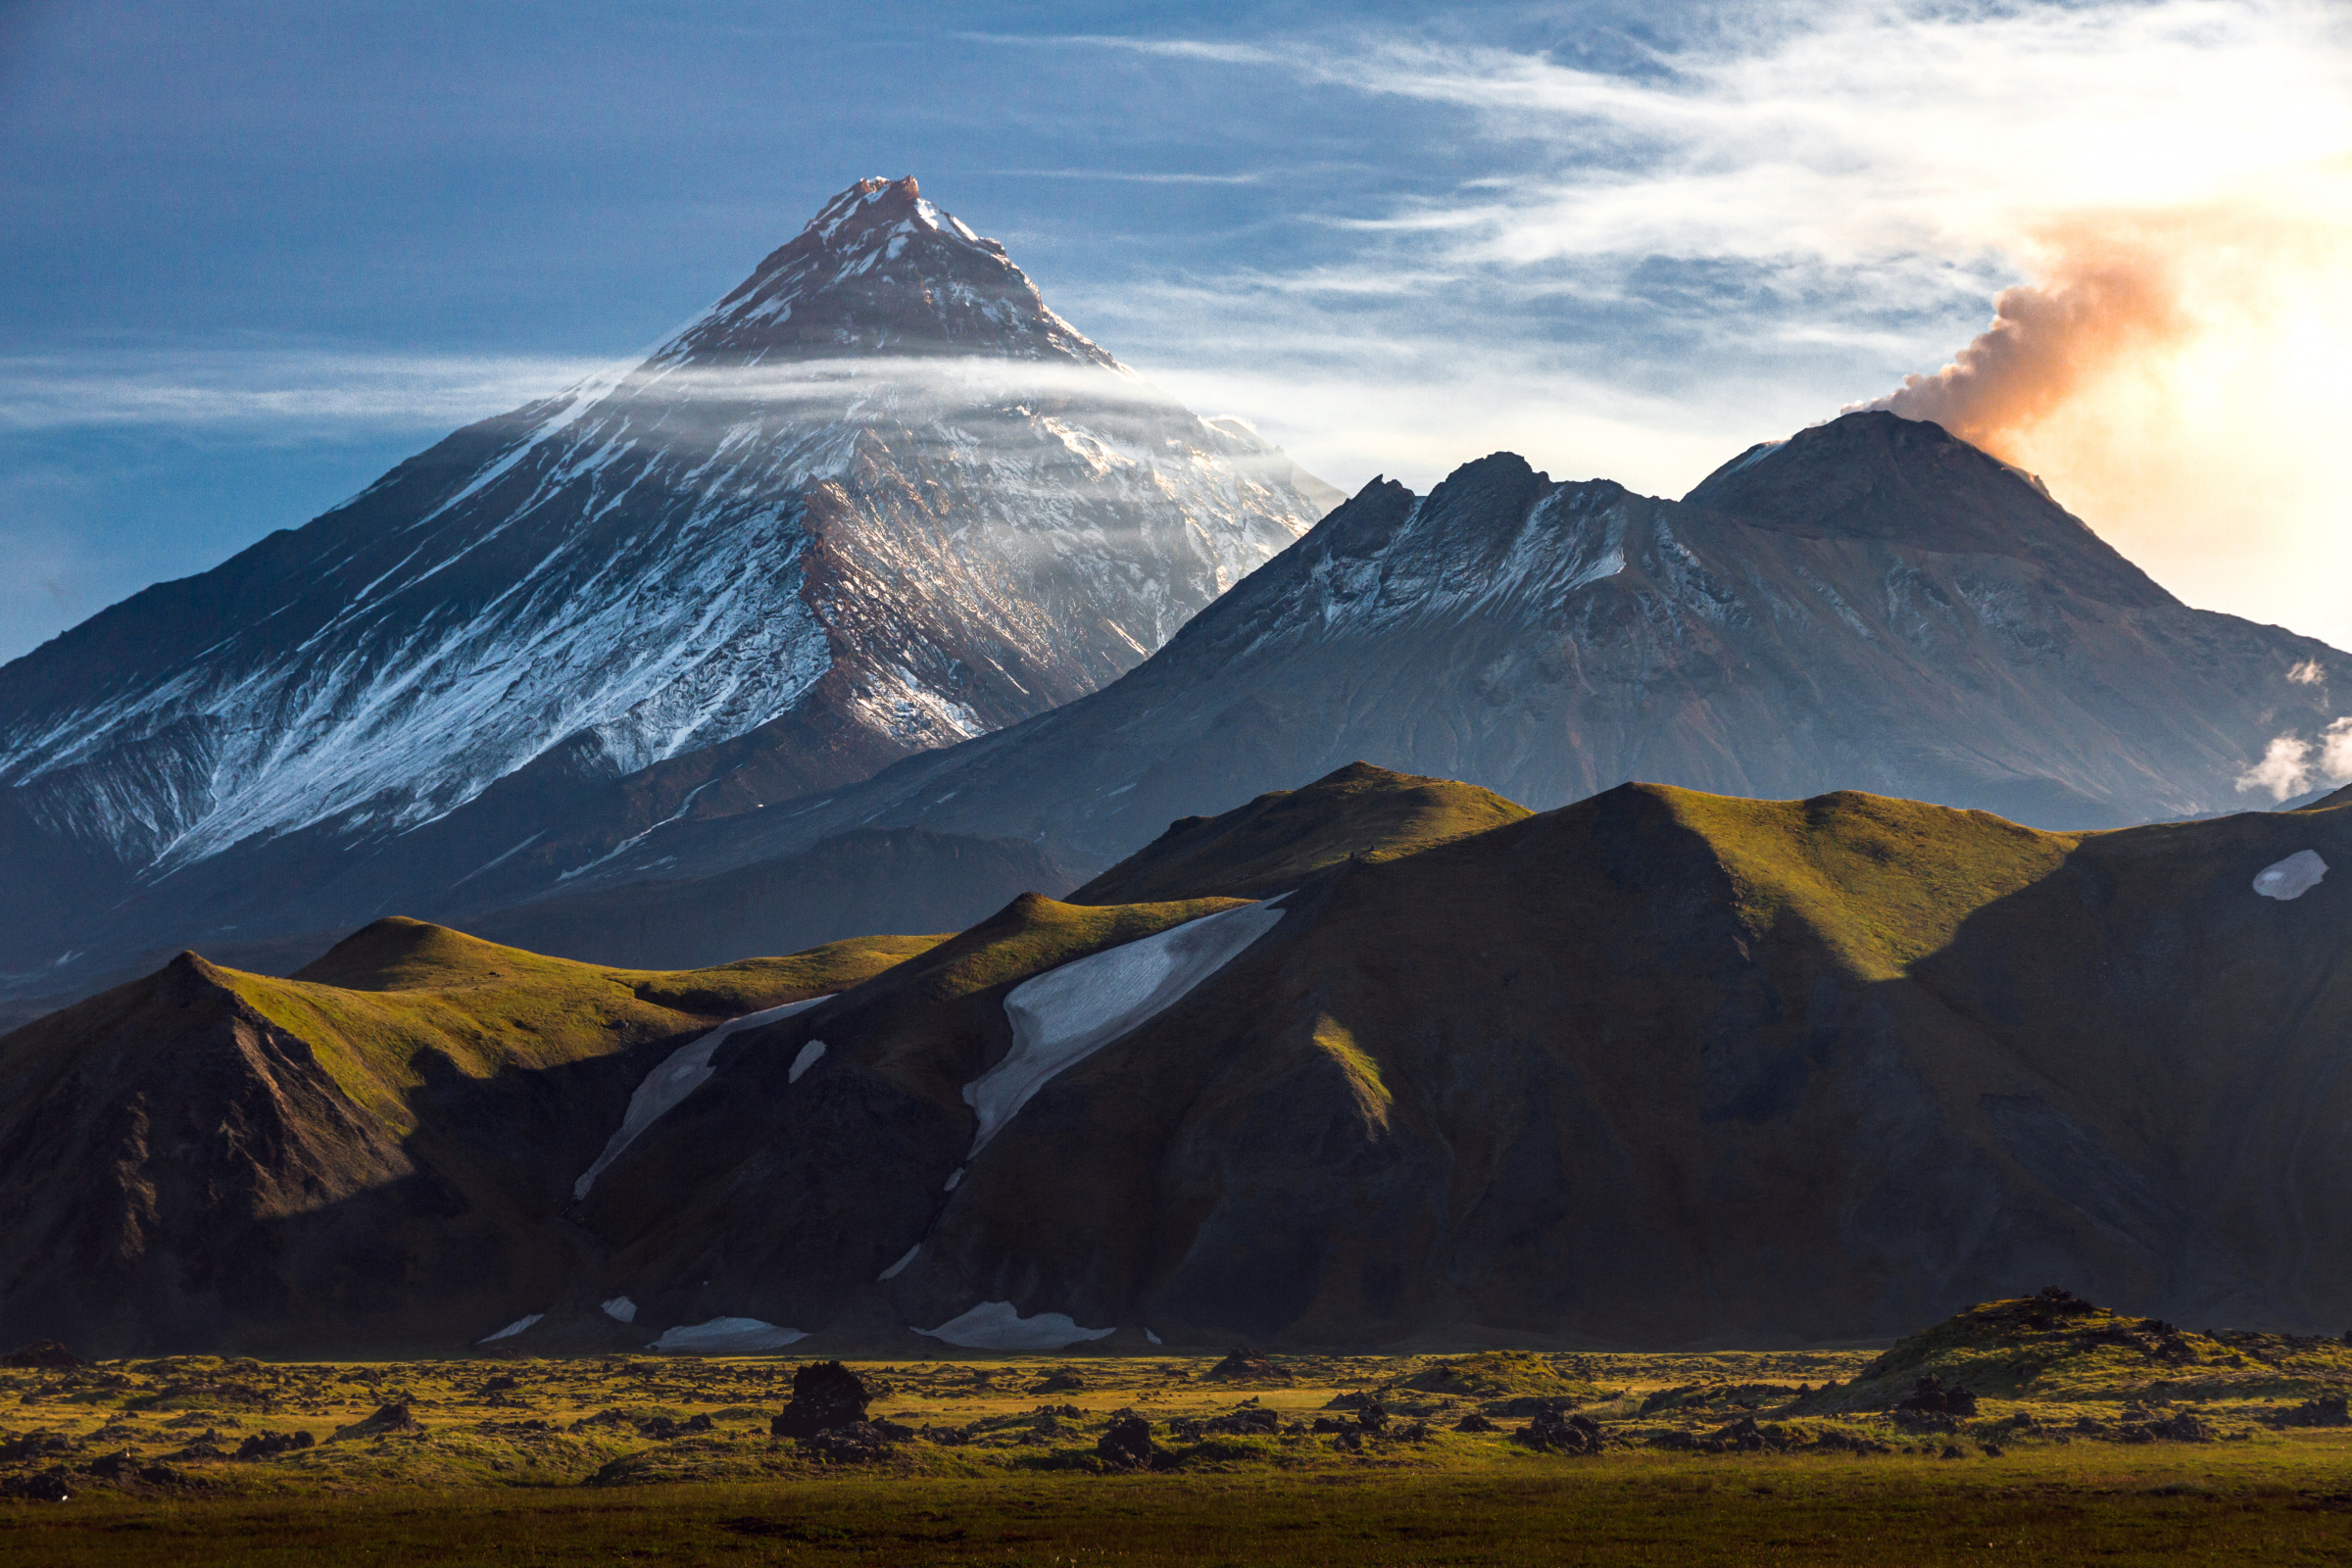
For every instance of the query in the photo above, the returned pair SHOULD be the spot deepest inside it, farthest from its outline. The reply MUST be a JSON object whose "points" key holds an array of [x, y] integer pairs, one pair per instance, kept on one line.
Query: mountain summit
{"points": [[882, 270], [877, 499]]}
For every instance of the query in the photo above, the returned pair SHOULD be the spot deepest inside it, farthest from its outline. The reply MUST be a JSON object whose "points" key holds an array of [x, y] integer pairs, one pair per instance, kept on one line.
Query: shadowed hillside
{"points": [[365, 1155]]}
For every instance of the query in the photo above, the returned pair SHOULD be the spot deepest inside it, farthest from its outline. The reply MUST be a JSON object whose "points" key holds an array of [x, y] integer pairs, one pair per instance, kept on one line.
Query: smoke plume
{"points": [[2176, 376], [2104, 299]]}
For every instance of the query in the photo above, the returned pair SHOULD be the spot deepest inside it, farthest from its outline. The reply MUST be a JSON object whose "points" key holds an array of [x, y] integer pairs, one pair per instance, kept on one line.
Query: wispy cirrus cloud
{"points": [[1787, 201]]}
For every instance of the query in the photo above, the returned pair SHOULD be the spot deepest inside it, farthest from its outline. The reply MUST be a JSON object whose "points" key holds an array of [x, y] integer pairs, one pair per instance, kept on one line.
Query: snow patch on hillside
{"points": [[727, 1336], [1065, 1015], [997, 1326], [2291, 877], [680, 1074]]}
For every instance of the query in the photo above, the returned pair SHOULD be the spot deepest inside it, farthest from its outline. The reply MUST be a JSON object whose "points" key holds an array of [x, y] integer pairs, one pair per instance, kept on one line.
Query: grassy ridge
{"points": [[1268, 846]]}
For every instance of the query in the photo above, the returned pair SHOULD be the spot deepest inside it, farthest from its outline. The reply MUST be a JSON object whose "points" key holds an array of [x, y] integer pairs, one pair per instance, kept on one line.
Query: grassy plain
{"points": [[669, 1459]]}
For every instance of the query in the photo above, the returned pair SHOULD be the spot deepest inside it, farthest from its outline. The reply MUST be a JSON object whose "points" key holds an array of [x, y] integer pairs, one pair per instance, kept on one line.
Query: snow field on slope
{"points": [[997, 1326], [1065, 1015], [2291, 877], [680, 1074], [727, 1336]]}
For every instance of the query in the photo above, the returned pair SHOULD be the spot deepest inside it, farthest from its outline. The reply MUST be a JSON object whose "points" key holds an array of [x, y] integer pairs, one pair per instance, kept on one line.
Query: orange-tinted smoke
{"points": [[2102, 299]]}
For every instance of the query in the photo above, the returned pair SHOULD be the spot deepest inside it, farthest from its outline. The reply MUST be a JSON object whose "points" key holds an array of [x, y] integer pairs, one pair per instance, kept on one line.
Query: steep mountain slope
{"points": [[367, 1156], [1888, 610], [1656, 1068], [878, 498]]}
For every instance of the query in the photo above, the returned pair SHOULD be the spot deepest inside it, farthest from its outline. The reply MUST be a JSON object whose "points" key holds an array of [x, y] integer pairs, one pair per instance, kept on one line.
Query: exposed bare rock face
{"points": [[1871, 605], [878, 499]]}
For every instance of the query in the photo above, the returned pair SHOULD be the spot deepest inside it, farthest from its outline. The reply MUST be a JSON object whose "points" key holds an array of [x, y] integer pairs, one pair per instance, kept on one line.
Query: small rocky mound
{"points": [[1934, 1407], [50, 1486], [2328, 1410], [854, 1443], [45, 1355], [1128, 1444], [33, 1445], [825, 1394], [1552, 1432], [1474, 1422], [388, 1419], [270, 1444], [669, 1429], [2181, 1427], [1493, 1375], [1060, 1381], [2013, 1349], [1242, 1364]]}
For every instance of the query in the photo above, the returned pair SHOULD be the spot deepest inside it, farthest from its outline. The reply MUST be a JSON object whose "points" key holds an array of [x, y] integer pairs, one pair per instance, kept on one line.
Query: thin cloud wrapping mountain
{"points": [[877, 499]]}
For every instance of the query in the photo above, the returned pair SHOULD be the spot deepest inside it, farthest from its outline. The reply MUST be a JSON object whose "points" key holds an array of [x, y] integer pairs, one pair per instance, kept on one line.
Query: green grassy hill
{"points": [[1270, 844], [362, 1156]]}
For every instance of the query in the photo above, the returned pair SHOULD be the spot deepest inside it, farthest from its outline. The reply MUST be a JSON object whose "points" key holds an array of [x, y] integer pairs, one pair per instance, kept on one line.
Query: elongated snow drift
{"points": [[1068, 1015]]}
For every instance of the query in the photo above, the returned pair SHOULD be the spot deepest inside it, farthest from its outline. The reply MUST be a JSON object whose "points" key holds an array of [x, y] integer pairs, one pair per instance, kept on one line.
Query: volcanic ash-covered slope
{"points": [[877, 499], [1653, 1069], [1870, 605], [367, 1158]]}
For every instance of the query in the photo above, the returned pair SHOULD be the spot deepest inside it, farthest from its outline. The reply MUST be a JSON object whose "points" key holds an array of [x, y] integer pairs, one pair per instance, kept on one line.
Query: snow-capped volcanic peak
{"points": [[881, 270], [879, 490]]}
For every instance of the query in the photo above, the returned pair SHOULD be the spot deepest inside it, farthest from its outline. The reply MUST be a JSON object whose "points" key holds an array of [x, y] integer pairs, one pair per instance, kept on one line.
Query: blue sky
{"points": [[255, 254]]}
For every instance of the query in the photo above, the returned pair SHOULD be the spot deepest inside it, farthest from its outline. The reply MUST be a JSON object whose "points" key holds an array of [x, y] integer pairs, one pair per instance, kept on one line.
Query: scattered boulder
{"points": [[501, 1383], [204, 1446], [50, 1486], [270, 1444], [2183, 1428], [2328, 1410], [1930, 1395], [668, 1428], [45, 1355], [35, 1446], [1059, 1381], [1474, 1422], [1553, 1431], [124, 1471], [852, 1442], [1128, 1444], [1248, 1421], [825, 1394], [1373, 1416], [1245, 1364]]}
